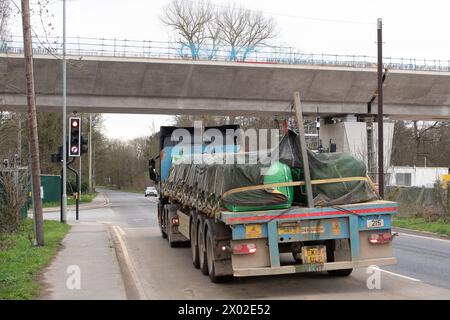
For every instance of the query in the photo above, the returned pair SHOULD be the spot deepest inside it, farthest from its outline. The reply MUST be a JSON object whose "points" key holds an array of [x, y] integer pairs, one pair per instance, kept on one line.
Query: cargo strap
{"points": [[298, 183]]}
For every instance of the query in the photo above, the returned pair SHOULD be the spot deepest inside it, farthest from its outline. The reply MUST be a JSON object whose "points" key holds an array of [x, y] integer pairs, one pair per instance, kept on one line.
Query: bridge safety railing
{"points": [[84, 46]]}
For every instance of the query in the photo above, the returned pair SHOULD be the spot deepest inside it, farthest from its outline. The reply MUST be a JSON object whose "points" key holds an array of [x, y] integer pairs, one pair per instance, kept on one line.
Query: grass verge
{"points": [[21, 262], [439, 226], [85, 198]]}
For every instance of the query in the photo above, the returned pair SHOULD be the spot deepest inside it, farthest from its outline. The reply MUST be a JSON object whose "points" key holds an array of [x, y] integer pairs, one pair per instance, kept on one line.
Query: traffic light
{"points": [[84, 145], [75, 137]]}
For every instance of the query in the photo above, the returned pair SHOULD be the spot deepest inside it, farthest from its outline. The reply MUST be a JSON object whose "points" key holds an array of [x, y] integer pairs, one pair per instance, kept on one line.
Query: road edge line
{"points": [[399, 275], [133, 287]]}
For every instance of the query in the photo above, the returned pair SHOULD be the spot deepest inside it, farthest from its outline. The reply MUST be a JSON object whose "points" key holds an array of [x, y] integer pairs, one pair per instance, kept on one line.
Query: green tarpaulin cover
{"points": [[202, 185]]}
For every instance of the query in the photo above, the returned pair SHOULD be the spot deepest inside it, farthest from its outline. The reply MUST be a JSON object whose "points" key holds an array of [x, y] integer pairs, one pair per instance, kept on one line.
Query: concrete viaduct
{"points": [[163, 86]]}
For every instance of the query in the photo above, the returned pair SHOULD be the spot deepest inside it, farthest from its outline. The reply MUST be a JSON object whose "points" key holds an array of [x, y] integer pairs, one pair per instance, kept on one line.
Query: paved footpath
{"points": [[85, 268]]}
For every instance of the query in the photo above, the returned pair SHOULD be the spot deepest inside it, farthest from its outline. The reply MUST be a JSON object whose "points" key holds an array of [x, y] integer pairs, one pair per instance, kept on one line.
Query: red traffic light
{"points": [[75, 137]]}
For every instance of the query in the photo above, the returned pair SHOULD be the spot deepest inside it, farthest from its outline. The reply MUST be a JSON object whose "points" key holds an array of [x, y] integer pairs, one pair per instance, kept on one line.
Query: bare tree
{"points": [[199, 26], [415, 141], [213, 32], [243, 29], [9, 124], [190, 23], [13, 195]]}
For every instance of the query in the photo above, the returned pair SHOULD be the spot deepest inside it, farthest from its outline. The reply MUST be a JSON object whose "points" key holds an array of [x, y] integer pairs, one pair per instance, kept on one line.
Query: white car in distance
{"points": [[151, 191]]}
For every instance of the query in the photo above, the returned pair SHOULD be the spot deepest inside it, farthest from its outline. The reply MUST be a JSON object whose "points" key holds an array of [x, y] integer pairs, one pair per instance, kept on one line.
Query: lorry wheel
{"points": [[210, 258], [203, 262], [194, 246], [297, 257], [161, 222], [340, 273]]}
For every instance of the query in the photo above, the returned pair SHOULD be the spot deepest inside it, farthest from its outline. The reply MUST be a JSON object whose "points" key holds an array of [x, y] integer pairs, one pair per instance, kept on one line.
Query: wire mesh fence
{"points": [[84, 46]]}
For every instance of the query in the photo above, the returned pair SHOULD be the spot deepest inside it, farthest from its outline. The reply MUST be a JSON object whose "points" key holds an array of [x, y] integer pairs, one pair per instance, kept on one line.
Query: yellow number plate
{"points": [[253, 231], [289, 229], [314, 255]]}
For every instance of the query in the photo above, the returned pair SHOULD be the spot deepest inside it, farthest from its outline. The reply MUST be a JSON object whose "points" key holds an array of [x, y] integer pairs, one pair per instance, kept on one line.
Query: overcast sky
{"points": [[411, 29]]}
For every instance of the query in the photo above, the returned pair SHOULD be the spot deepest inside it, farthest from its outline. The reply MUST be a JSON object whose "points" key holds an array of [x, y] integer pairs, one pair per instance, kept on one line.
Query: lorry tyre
{"points": [[203, 262], [193, 238], [297, 257], [210, 258], [161, 221], [340, 273]]}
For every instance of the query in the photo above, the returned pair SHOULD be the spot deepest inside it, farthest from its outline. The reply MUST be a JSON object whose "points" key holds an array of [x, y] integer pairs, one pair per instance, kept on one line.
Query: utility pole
{"points": [[371, 163], [19, 142], [64, 162], [32, 124], [90, 153], [94, 175], [380, 109]]}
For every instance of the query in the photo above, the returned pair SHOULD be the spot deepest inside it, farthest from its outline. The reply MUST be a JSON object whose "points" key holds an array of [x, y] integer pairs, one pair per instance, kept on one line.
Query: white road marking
{"points": [[399, 275], [129, 262], [422, 237]]}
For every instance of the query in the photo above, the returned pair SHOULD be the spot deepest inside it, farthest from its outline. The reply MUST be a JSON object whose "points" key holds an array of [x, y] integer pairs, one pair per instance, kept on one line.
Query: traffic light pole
{"points": [[77, 197], [77, 206], [63, 216]]}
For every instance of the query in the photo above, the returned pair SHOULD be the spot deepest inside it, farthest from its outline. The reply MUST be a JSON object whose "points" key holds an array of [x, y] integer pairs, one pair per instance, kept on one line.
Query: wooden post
{"points": [[301, 136], [32, 124]]}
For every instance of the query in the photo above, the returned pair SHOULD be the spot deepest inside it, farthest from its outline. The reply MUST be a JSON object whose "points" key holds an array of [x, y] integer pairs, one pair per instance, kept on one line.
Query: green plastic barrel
{"points": [[279, 172]]}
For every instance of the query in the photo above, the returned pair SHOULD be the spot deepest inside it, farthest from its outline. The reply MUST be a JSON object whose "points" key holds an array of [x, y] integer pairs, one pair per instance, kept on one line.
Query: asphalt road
{"points": [[161, 272]]}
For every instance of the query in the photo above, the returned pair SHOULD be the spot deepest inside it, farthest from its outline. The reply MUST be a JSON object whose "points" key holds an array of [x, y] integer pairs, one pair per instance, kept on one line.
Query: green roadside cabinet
{"points": [[51, 187]]}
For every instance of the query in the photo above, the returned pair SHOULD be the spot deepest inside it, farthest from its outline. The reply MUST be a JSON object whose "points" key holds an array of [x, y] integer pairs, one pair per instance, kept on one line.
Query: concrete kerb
{"points": [[133, 287]]}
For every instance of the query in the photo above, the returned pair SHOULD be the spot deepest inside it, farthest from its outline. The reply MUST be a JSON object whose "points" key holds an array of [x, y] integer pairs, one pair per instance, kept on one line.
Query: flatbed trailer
{"points": [[336, 239]]}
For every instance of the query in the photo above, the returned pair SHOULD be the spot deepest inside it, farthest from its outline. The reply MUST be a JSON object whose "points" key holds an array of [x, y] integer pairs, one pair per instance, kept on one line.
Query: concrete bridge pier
{"points": [[351, 136]]}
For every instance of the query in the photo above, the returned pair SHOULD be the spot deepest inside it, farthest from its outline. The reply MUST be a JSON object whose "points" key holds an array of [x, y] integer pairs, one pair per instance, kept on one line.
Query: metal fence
{"points": [[83, 46]]}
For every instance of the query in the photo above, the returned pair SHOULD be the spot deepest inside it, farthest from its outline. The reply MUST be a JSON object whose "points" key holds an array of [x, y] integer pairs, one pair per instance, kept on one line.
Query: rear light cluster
{"points": [[244, 248], [377, 238]]}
